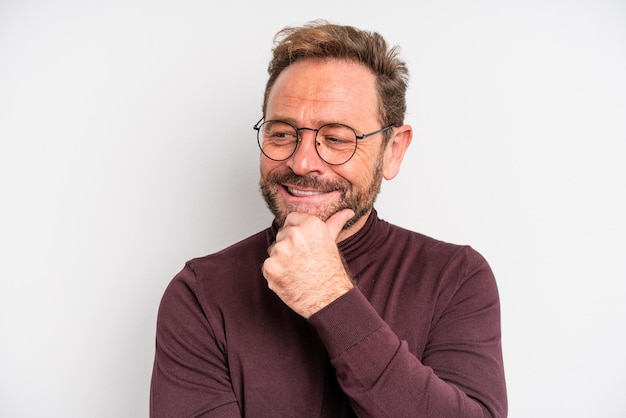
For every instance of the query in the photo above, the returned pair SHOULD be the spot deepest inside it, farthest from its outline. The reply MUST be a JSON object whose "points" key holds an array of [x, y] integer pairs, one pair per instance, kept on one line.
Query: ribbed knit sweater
{"points": [[419, 336]]}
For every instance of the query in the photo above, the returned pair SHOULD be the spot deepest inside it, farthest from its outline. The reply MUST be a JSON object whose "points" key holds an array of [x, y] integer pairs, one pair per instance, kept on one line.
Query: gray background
{"points": [[127, 148]]}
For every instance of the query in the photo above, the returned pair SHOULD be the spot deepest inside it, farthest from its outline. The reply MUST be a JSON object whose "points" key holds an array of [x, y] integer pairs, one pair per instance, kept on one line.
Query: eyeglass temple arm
{"points": [[256, 125]]}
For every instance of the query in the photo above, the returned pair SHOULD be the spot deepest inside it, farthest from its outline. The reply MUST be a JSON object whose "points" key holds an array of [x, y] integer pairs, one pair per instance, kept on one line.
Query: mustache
{"points": [[307, 181]]}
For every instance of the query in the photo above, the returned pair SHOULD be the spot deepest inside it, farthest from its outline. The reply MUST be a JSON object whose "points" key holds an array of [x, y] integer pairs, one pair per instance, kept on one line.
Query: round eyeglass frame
{"points": [[257, 127]]}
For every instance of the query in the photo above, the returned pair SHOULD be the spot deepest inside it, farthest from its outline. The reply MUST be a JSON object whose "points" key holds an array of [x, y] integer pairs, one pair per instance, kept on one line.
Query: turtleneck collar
{"points": [[366, 239]]}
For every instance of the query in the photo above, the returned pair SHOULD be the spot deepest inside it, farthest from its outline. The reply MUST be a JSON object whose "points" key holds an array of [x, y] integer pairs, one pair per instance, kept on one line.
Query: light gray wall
{"points": [[127, 148]]}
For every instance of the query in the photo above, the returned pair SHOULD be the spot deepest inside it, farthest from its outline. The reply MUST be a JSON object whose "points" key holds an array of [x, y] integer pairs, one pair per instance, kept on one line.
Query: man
{"points": [[331, 312]]}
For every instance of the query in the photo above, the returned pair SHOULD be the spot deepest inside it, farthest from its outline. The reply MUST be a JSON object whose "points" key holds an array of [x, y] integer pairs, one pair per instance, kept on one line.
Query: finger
{"points": [[337, 221], [295, 218]]}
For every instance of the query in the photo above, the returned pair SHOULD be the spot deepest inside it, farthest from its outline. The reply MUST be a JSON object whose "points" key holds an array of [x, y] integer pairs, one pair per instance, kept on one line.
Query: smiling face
{"points": [[310, 93]]}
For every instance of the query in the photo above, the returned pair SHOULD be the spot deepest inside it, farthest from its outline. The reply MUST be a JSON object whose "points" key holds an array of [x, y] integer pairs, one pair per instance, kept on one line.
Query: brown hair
{"points": [[322, 40]]}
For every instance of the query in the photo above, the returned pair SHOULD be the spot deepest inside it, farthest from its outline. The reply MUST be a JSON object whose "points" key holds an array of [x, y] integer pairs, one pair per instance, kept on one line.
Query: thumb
{"points": [[336, 222]]}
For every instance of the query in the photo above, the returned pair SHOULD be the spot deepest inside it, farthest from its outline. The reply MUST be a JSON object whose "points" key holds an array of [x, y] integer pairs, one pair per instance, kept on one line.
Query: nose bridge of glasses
{"points": [[299, 135]]}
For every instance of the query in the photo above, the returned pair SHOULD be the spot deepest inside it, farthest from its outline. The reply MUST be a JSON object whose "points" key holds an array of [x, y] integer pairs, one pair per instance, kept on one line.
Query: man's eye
{"points": [[282, 135], [336, 140]]}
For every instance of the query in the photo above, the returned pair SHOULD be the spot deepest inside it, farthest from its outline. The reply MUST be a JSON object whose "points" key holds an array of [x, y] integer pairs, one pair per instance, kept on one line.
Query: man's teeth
{"points": [[298, 192]]}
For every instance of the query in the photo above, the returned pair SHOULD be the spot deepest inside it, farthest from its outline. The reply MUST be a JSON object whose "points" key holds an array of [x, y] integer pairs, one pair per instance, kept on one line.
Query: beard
{"points": [[360, 200]]}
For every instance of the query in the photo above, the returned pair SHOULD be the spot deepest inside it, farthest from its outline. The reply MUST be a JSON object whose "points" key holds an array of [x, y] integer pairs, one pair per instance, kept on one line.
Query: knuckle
{"points": [[271, 269]]}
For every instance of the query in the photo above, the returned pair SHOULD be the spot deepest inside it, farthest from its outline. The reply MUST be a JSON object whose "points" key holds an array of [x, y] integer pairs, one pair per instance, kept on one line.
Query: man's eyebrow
{"points": [[318, 122]]}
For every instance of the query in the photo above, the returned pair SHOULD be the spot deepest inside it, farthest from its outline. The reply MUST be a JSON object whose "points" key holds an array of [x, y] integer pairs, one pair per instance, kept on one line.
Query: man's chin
{"points": [[281, 216], [322, 215]]}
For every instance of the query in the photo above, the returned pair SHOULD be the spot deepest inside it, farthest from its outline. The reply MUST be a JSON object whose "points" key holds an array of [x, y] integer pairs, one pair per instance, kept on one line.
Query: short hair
{"points": [[322, 40]]}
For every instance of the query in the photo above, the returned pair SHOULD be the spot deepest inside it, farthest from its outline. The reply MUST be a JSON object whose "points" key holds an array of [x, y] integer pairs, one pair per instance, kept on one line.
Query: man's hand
{"points": [[304, 267]]}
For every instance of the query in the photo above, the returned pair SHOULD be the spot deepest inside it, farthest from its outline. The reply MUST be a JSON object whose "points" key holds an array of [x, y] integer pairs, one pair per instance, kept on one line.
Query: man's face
{"points": [[311, 93]]}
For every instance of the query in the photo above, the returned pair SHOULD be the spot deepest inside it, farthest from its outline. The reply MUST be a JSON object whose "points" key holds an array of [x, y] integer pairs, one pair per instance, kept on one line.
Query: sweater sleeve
{"points": [[460, 372], [190, 376]]}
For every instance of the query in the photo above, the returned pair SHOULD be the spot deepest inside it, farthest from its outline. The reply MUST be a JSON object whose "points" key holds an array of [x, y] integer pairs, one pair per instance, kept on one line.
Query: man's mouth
{"points": [[300, 192]]}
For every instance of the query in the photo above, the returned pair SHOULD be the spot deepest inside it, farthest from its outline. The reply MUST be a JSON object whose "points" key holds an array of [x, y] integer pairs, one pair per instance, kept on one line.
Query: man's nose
{"points": [[306, 160]]}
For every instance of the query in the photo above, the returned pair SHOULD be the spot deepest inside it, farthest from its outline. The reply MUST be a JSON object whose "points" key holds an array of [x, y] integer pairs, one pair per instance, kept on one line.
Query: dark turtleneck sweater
{"points": [[419, 336]]}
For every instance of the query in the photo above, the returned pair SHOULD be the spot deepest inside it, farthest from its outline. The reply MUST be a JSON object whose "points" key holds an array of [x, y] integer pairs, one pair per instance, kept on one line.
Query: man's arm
{"points": [[190, 376], [460, 373]]}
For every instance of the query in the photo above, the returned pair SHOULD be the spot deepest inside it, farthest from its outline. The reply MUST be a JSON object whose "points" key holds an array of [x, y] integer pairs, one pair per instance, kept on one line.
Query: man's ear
{"points": [[395, 149]]}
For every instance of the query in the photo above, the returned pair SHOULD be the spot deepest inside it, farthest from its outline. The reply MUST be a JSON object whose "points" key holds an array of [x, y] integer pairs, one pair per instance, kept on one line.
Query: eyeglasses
{"points": [[335, 143]]}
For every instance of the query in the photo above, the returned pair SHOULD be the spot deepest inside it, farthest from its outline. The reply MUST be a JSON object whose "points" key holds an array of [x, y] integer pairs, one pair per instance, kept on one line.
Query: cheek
{"points": [[360, 169], [267, 166], [356, 174]]}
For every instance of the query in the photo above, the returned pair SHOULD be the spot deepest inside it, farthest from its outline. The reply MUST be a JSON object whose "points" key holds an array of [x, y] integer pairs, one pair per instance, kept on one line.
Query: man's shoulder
{"points": [[225, 274], [430, 248], [425, 241], [250, 248]]}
